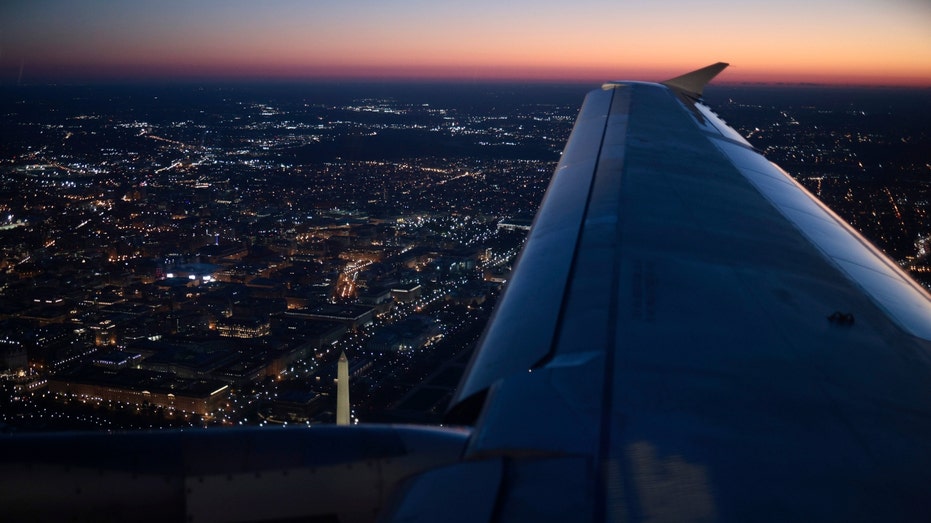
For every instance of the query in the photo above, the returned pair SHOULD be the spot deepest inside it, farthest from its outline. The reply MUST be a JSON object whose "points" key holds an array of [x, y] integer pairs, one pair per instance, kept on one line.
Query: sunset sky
{"points": [[825, 41]]}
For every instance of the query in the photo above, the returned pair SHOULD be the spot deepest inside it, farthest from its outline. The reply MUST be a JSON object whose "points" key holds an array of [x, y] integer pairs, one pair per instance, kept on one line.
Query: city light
{"points": [[237, 251]]}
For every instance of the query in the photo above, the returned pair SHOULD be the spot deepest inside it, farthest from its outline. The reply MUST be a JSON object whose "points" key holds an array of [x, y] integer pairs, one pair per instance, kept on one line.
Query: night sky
{"points": [[826, 41]]}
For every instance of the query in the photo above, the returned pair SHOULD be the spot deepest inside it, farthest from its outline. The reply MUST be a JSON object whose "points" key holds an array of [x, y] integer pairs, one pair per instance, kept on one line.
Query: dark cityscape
{"points": [[200, 256]]}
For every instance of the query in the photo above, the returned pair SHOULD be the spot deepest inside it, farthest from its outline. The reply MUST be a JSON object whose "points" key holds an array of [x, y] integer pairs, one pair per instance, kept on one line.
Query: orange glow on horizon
{"points": [[870, 42], [737, 73]]}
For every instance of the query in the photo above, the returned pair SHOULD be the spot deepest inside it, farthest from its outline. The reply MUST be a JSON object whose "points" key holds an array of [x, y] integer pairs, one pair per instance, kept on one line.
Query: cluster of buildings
{"points": [[180, 266], [182, 260], [180, 333]]}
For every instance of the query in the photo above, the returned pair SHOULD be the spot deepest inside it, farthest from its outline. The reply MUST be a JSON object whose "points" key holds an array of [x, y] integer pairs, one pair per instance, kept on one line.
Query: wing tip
{"points": [[693, 83]]}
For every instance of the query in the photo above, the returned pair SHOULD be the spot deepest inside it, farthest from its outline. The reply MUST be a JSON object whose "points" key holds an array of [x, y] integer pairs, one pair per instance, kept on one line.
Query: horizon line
{"points": [[280, 80], [95, 74]]}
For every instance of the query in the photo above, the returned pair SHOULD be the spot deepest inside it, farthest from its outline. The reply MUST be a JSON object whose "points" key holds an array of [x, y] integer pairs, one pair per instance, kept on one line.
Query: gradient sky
{"points": [[826, 41]]}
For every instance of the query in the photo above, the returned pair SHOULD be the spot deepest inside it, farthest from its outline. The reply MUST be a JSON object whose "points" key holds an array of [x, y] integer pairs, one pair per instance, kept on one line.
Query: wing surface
{"points": [[689, 336]]}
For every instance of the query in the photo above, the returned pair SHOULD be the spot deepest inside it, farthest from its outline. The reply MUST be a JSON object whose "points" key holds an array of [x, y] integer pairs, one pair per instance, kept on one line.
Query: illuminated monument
{"points": [[342, 390]]}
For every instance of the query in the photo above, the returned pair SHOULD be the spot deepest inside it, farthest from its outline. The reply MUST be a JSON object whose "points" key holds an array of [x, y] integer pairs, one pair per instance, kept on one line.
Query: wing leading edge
{"points": [[690, 335]]}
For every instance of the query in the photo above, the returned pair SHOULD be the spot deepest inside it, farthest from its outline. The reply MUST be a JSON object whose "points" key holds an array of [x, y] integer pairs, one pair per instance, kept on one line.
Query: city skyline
{"points": [[823, 41]]}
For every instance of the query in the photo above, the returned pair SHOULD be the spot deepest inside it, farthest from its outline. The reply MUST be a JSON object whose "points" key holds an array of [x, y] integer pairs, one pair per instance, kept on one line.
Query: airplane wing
{"points": [[687, 336]]}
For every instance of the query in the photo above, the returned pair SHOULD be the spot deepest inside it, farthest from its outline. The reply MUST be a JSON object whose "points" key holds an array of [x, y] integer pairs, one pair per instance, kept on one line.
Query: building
{"points": [[142, 388], [516, 223], [355, 316], [243, 327], [409, 334], [406, 293]]}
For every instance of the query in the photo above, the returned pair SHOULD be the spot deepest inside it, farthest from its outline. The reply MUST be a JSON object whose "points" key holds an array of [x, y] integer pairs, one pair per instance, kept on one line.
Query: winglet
{"points": [[692, 84]]}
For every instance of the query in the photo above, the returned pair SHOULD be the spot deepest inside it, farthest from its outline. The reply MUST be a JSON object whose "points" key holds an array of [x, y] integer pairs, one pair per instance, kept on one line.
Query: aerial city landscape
{"points": [[201, 255]]}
